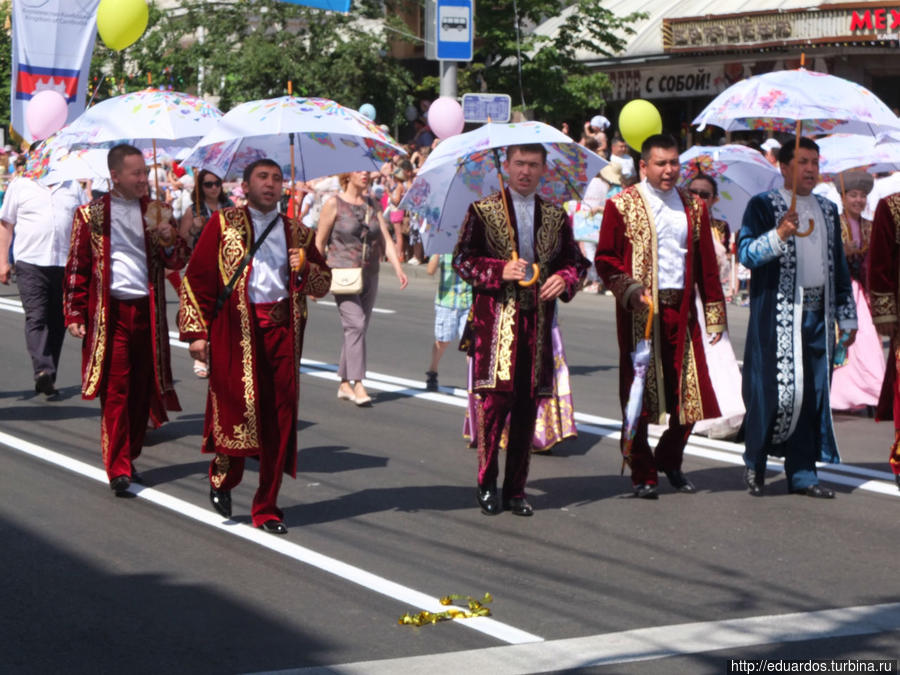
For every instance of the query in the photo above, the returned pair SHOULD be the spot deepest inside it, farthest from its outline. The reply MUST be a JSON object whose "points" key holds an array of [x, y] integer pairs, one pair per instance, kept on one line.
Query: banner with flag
{"points": [[52, 43]]}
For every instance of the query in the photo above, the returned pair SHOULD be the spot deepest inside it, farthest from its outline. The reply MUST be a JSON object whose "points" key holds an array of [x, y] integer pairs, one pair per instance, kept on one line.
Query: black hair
{"points": [[786, 152], [223, 198], [527, 147], [709, 179], [118, 153], [661, 141], [252, 166]]}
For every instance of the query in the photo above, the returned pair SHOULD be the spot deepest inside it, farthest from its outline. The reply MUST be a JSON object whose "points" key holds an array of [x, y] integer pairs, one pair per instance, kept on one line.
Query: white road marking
{"points": [[860, 478], [642, 644], [351, 573]]}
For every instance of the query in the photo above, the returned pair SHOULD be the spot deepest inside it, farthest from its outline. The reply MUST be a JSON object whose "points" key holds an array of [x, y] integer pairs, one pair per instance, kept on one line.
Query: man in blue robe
{"points": [[799, 290]]}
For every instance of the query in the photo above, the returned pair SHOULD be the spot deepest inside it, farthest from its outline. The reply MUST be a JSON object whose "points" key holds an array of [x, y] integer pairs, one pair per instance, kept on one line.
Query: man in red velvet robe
{"points": [[508, 334], [884, 272], [114, 299], [655, 243], [254, 341]]}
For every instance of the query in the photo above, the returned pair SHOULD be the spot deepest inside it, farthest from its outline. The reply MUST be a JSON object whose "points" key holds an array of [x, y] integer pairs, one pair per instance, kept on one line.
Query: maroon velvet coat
{"points": [[884, 275], [492, 337], [233, 415], [86, 300], [627, 260]]}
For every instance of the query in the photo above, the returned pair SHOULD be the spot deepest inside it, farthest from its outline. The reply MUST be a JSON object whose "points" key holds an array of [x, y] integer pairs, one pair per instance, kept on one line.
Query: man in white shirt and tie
{"points": [[39, 214], [655, 248], [114, 300], [247, 323]]}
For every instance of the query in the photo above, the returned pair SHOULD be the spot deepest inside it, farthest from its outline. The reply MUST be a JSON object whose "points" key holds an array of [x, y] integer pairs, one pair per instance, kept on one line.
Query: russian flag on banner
{"points": [[32, 79], [52, 43], [333, 5]]}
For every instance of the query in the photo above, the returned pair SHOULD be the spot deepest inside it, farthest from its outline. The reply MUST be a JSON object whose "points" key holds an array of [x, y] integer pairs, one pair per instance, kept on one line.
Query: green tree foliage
{"points": [[243, 50], [553, 83]]}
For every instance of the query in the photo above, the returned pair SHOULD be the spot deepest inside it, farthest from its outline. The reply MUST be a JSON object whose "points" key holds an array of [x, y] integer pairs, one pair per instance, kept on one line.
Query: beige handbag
{"points": [[346, 280], [349, 280]]}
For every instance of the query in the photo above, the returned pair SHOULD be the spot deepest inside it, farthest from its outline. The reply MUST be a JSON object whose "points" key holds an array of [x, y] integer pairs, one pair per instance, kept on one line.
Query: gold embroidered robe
{"points": [[627, 260], [233, 416], [492, 335], [86, 299]]}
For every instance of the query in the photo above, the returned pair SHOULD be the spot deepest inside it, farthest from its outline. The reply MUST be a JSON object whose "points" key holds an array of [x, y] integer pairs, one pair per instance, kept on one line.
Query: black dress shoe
{"points": [[488, 500], [518, 505], [646, 491], [119, 484], [755, 482], [431, 380], [221, 501], [136, 477], [815, 491], [897, 479], [44, 384], [680, 482], [273, 527]]}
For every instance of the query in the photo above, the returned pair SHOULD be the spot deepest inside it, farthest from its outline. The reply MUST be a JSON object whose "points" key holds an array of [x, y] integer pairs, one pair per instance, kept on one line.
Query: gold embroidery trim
{"points": [[714, 313], [190, 316], [94, 369], [502, 369], [884, 307], [496, 229], [236, 234]]}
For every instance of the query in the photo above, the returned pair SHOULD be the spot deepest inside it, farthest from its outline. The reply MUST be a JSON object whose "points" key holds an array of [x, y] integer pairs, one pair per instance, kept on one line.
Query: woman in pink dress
{"points": [[856, 381]]}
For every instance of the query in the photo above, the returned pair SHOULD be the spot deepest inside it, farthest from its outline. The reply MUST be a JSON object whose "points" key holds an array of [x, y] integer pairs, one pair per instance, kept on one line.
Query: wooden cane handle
{"points": [[648, 328], [812, 226], [536, 270], [302, 253]]}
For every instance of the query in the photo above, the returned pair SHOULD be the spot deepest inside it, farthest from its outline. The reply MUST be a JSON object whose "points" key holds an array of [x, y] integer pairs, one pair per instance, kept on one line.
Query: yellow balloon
{"points": [[121, 22], [638, 121]]}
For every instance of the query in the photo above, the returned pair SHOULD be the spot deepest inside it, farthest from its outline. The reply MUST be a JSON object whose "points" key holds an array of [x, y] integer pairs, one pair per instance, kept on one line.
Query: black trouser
{"points": [[41, 291]]}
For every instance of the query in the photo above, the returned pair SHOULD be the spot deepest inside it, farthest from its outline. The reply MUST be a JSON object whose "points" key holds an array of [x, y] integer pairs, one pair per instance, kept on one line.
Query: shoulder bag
{"points": [[349, 280]]}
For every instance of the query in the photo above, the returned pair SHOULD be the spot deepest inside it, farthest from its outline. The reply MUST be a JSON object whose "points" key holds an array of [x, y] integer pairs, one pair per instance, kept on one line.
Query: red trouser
{"points": [[670, 449], [520, 405], [125, 398], [277, 424]]}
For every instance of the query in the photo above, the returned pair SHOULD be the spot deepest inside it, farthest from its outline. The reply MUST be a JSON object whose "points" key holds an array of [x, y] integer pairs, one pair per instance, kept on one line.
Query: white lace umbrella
{"points": [[465, 168]]}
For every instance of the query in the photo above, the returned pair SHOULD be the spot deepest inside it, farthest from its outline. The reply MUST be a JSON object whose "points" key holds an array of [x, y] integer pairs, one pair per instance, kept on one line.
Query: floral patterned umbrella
{"points": [[464, 168], [170, 118], [776, 101], [322, 138], [739, 171], [843, 152]]}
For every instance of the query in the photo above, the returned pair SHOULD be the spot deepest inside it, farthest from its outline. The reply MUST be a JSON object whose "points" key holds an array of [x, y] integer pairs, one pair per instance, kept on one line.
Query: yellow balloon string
{"points": [[475, 608]]}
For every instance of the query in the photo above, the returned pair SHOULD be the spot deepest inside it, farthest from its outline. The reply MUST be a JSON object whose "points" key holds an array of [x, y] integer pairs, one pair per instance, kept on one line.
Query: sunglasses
{"points": [[212, 183], [703, 194]]}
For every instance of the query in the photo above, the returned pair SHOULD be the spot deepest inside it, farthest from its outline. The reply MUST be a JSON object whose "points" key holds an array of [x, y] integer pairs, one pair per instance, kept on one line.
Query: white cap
{"points": [[599, 122], [770, 144]]}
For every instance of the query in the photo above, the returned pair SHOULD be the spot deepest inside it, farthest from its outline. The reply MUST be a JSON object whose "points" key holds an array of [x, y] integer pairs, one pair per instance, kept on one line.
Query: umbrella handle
{"points": [[648, 328], [302, 260], [536, 270], [812, 226]]}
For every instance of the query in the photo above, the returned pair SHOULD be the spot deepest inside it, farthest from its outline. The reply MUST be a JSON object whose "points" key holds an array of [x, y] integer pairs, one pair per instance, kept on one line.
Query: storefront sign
{"points": [[659, 83], [875, 19], [825, 24]]}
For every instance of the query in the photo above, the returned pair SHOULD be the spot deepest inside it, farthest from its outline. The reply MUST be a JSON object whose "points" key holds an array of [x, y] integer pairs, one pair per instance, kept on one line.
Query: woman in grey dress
{"points": [[352, 233]]}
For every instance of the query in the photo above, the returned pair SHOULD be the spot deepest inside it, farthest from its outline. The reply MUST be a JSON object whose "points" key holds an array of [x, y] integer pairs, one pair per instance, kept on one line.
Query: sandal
{"points": [[201, 370]]}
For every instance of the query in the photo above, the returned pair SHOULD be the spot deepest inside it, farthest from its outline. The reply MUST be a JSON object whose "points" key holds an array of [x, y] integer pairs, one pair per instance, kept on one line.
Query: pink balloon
{"points": [[46, 113], [445, 117]]}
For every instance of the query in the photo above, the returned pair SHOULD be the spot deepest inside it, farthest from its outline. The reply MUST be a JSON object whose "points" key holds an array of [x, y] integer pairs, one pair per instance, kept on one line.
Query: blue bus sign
{"points": [[454, 30]]}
